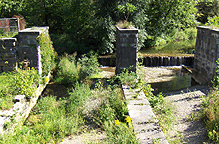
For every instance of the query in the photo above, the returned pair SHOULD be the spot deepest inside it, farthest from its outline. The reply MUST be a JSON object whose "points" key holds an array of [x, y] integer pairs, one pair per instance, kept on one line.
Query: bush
{"points": [[24, 82], [88, 64], [67, 70], [191, 32], [210, 114], [213, 22]]}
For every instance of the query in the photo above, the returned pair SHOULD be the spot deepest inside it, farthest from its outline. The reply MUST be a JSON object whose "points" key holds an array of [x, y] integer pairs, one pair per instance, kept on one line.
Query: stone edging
{"points": [[145, 125], [20, 111]]}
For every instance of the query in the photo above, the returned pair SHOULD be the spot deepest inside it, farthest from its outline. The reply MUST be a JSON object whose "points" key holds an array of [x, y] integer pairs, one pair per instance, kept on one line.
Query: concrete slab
{"points": [[145, 125]]}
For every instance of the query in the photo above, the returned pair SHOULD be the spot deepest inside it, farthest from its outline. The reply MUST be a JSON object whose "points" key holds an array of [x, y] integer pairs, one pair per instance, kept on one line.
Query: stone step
{"points": [[144, 120]]}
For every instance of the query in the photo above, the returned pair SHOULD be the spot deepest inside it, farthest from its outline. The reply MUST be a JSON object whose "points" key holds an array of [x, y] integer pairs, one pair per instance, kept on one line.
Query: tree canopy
{"points": [[83, 25]]}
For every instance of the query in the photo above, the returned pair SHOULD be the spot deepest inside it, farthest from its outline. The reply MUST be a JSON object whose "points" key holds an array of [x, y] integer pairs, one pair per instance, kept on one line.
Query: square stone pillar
{"points": [[126, 49], [28, 46], [206, 54]]}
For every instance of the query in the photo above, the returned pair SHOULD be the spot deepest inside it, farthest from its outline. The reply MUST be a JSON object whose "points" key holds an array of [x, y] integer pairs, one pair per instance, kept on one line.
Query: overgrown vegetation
{"points": [[47, 52], [51, 120], [70, 69], [210, 114], [162, 108], [90, 25], [23, 82], [210, 109], [213, 22], [4, 34], [179, 48]]}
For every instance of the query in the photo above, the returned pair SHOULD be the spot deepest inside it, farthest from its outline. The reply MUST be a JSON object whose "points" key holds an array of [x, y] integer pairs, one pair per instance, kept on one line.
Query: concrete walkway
{"points": [[143, 119]]}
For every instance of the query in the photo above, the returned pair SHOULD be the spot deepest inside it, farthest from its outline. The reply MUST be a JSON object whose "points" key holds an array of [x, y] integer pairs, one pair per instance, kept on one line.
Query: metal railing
{"points": [[9, 24]]}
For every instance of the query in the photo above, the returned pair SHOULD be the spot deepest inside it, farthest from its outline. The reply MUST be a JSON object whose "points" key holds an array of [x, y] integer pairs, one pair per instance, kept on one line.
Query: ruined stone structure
{"points": [[24, 48], [8, 54], [126, 52], [206, 54]]}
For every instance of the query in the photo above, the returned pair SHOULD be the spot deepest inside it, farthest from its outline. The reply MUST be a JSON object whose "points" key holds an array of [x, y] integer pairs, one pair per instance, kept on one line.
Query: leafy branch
{"points": [[126, 10]]}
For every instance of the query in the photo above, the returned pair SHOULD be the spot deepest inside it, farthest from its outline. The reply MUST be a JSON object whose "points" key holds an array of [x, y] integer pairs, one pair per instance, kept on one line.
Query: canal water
{"points": [[162, 79], [166, 79]]}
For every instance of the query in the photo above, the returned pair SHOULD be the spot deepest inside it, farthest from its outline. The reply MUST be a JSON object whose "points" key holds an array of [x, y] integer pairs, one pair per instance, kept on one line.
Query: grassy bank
{"points": [[22, 82], [88, 104], [180, 48]]}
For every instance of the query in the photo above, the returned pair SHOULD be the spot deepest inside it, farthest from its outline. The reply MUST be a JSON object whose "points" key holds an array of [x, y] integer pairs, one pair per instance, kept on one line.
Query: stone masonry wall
{"points": [[24, 47], [17, 50], [28, 47], [126, 49], [8, 54], [206, 54]]}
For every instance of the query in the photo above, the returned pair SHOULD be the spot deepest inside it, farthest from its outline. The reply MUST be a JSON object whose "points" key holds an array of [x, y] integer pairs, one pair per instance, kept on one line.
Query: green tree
{"points": [[166, 15], [207, 8], [8, 7], [45, 13]]}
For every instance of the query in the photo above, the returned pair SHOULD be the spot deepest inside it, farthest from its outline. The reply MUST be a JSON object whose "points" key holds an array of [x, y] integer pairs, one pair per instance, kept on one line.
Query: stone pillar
{"points": [[126, 49], [8, 54], [28, 47], [206, 54]]}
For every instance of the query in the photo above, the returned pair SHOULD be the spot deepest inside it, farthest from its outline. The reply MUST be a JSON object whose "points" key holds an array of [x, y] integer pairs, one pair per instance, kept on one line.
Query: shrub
{"points": [[210, 109], [210, 114], [88, 64], [67, 70], [213, 22], [191, 32], [24, 82]]}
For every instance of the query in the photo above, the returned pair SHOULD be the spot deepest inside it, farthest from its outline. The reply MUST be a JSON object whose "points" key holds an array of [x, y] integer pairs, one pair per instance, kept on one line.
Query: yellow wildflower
{"points": [[117, 122], [128, 119], [46, 79], [6, 62]]}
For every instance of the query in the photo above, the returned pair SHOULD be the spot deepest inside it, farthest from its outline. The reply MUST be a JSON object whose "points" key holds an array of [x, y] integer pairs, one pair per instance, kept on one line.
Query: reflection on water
{"points": [[107, 72], [162, 79], [165, 79]]}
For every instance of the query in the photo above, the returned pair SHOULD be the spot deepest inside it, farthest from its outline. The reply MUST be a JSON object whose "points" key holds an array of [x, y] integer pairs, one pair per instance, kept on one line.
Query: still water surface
{"points": [[162, 79]]}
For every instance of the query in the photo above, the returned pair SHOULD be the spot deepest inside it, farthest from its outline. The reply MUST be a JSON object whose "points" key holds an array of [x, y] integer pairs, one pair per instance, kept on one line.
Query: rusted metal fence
{"points": [[9, 24]]}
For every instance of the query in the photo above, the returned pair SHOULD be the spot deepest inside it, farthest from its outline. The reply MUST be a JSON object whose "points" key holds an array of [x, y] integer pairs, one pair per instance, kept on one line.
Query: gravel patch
{"points": [[186, 107]]}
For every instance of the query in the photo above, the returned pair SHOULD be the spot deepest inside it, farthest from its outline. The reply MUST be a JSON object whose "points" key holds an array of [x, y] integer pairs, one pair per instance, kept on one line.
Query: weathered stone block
{"points": [[206, 54], [126, 53]]}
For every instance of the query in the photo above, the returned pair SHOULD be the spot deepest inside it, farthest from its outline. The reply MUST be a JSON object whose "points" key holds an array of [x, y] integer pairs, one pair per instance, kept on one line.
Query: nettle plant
{"points": [[126, 10]]}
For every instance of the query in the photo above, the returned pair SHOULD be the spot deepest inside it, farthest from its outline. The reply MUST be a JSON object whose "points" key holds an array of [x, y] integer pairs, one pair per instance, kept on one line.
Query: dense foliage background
{"points": [[84, 25]]}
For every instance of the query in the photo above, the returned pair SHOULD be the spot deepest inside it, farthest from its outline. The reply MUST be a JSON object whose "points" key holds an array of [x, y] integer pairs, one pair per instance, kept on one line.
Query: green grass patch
{"points": [[22, 82], [210, 114], [51, 119], [180, 48], [7, 34]]}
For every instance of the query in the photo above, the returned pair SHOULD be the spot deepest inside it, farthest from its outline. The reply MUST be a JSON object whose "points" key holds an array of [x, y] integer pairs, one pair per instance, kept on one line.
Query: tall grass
{"points": [[23, 82], [69, 69], [210, 108], [51, 119], [4, 34], [210, 114]]}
